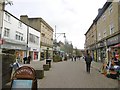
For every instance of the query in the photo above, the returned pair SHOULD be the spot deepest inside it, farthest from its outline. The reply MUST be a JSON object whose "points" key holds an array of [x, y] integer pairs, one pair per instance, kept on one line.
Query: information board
{"points": [[22, 84]]}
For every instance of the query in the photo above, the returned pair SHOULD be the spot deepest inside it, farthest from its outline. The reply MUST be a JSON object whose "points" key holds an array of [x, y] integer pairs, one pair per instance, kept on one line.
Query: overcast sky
{"points": [[72, 17]]}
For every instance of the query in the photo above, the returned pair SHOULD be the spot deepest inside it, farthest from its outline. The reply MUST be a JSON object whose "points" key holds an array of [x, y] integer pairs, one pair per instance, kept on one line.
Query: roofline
{"points": [[105, 6], [18, 19], [42, 20]]}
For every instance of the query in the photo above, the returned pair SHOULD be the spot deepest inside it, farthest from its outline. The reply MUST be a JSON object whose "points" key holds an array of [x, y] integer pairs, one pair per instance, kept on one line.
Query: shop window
{"points": [[33, 38]]}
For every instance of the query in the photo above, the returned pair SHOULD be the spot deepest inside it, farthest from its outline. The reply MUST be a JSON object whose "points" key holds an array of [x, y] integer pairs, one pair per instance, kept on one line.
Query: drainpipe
{"points": [[27, 41], [2, 6]]}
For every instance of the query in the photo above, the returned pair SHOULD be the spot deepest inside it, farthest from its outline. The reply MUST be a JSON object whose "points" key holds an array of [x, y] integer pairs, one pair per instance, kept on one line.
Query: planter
{"points": [[39, 74], [46, 67]]}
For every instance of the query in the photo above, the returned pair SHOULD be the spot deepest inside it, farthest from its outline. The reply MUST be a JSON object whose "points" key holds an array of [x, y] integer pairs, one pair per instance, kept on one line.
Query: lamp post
{"points": [[47, 53], [59, 34]]}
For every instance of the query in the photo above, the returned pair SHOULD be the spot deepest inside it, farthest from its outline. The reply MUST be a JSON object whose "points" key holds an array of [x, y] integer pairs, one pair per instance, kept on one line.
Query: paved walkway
{"points": [[71, 74]]}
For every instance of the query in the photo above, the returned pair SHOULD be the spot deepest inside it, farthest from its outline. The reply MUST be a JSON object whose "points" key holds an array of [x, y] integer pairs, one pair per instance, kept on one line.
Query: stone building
{"points": [[46, 34], [107, 24]]}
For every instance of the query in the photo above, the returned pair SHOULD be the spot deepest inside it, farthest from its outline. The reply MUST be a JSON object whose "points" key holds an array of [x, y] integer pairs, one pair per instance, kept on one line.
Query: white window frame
{"points": [[99, 36], [19, 36], [104, 17], [104, 33], [112, 29], [7, 17], [20, 24], [6, 32], [110, 8]]}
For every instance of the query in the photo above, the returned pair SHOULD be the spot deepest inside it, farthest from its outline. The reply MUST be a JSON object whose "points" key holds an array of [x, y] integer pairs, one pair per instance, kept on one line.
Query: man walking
{"points": [[88, 60]]}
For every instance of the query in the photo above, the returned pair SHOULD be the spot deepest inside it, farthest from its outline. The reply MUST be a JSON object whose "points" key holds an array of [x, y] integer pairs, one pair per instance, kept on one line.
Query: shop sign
{"points": [[13, 46], [113, 40], [34, 49], [101, 44], [93, 47]]}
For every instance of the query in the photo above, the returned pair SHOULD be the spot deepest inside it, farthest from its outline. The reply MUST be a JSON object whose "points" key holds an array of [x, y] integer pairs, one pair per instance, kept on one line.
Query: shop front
{"points": [[114, 44], [112, 68], [19, 49], [101, 51], [43, 52], [34, 53], [93, 52]]}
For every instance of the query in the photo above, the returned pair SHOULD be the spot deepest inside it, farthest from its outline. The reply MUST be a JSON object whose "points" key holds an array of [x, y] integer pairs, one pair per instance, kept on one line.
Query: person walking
{"points": [[28, 60], [24, 60], [72, 58], [75, 58], [88, 60]]}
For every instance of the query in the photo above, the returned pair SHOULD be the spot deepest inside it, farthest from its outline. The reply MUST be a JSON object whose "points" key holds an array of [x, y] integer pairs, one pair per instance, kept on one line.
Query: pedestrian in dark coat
{"points": [[25, 59], [75, 58], [88, 60], [72, 58], [29, 58]]}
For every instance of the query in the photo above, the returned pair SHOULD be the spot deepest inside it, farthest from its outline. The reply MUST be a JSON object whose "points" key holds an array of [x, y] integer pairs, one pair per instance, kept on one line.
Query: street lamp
{"points": [[47, 53], [59, 34]]}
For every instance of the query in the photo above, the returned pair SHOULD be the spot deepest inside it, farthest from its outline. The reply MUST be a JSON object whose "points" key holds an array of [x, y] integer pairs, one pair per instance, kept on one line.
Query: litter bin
{"points": [[48, 61], [24, 78]]}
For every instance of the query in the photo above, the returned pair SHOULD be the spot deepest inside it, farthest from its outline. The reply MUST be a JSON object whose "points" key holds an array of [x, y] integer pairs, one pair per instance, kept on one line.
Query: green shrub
{"points": [[57, 58]]}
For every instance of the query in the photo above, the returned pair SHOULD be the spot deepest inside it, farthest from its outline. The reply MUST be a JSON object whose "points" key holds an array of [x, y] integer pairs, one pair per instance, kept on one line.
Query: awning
{"points": [[118, 45]]}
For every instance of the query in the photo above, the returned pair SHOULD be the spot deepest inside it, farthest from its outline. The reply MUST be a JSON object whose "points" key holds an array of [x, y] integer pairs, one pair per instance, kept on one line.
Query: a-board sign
{"points": [[22, 84]]}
